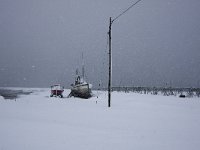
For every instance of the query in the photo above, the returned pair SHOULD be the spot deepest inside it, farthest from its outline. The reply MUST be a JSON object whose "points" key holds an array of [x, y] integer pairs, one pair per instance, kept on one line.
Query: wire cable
{"points": [[126, 10]]}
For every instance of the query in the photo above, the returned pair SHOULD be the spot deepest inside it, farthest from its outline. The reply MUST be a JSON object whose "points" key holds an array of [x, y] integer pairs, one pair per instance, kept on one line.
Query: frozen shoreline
{"points": [[12, 94]]}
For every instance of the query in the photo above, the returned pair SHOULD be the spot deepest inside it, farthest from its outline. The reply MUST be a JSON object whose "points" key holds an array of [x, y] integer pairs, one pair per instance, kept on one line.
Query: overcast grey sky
{"points": [[154, 43]]}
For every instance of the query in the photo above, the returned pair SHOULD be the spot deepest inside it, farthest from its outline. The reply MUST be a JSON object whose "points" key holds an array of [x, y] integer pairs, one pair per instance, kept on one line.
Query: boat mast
{"points": [[83, 68]]}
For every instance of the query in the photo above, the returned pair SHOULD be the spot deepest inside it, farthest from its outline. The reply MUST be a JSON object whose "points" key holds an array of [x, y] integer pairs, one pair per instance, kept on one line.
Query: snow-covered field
{"points": [[134, 121]]}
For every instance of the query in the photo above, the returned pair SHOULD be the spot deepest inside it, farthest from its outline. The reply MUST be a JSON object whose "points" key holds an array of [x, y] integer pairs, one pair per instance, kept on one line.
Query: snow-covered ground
{"points": [[134, 121]]}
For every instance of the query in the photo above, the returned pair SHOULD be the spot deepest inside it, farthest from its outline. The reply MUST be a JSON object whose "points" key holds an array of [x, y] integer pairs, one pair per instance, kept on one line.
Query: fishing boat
{"points": [[81, 88]]}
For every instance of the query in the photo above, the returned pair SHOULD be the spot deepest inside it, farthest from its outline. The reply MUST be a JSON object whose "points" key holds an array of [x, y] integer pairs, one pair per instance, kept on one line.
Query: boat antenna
{"points": [[77, 72]]}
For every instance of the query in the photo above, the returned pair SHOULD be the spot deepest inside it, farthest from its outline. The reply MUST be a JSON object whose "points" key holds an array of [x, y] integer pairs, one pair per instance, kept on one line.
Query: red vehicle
{"points": [[57, 90]]}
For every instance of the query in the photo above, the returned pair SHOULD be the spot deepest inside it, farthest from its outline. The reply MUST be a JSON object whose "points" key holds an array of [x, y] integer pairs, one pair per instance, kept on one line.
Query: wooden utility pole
{"points": [[110, 54], [110, 66]]}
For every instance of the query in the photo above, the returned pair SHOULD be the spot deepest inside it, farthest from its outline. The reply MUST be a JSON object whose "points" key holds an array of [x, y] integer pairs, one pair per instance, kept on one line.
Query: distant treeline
{"points": [[166, 91]]}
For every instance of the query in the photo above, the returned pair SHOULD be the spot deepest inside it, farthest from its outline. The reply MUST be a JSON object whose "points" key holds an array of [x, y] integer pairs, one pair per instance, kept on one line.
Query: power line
{"points": [[126, 10]]}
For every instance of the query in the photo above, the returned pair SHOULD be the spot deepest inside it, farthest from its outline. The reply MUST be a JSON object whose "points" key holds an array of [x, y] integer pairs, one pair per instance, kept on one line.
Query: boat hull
{"points": [[81, 90]]}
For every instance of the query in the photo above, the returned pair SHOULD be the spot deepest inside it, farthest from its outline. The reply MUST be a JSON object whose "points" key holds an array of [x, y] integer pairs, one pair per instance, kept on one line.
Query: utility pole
{"points": [[110, 65], [110, 52]]}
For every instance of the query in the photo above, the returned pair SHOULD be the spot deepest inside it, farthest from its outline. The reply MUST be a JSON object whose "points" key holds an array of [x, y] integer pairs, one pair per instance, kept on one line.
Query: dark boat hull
{"points": [[81, 90]]}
